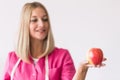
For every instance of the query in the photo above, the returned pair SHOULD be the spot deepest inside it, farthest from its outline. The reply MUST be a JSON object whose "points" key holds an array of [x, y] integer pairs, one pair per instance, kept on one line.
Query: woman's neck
{"points": [[36, 48]]}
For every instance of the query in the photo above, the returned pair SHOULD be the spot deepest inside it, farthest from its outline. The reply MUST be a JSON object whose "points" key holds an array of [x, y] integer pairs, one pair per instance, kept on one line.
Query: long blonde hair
{"points": [[23, 42]]}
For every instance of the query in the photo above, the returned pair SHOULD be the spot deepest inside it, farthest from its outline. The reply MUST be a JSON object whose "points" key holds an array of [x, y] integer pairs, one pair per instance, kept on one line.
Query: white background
{"points": [[77, 25]]}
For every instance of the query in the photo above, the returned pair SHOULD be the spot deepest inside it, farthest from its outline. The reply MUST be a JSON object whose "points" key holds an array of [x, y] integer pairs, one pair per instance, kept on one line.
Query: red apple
{"points": [[95, 56]]}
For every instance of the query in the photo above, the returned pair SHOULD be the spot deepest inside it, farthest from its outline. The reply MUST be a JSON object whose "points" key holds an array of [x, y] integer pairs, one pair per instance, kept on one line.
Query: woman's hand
{"points": [[96, 66], [83, 68]]}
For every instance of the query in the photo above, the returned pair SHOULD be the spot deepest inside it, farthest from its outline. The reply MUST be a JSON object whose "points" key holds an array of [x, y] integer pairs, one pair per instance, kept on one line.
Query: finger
{"points": [[104, 59], [96, 66], [101, 65], [90, 65], [85, 62]]}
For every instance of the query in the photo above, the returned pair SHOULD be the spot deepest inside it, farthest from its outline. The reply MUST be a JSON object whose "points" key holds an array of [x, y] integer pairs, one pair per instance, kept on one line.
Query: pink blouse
{"points": [[61, 67]]}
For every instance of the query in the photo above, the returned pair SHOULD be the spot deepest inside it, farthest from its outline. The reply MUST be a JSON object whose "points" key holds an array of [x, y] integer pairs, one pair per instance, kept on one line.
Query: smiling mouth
{"points": [[41, 31]]}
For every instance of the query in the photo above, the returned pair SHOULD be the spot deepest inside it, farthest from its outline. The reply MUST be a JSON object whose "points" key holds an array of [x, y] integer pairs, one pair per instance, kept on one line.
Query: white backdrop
{"points": [[77, 25]]}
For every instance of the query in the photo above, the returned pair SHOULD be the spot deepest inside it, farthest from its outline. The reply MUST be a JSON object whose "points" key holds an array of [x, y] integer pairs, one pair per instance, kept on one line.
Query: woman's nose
{"points": [[40, 23]]}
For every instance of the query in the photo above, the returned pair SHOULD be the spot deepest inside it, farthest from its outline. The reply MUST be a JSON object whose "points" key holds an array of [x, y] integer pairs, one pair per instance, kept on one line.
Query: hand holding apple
{"points": [[94, 59], [95, 56]]}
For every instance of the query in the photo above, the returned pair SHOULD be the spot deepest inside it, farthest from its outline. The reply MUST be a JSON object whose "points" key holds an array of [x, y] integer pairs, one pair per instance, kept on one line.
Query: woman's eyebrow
{"points": [[45, 15], [42, 16]]}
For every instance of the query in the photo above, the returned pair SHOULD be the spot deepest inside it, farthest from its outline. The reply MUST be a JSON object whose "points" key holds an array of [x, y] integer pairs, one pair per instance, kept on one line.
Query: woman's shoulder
{"points": [[11, 60], [60, 57], [12, 56], [60, 52], [61, 49]]}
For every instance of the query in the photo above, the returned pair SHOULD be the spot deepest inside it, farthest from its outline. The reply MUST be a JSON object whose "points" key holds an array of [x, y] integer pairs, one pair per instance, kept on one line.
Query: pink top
{"points": [[61, 67]]}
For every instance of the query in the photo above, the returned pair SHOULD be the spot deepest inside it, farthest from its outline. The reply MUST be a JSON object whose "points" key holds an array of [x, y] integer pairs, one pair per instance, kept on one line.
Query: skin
{"points": [[83, 68], [39, 27]]}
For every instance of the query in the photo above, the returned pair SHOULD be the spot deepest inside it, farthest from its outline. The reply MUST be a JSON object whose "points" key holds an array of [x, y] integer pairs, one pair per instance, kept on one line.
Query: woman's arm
{"points": [[81, 72], [6, 75], [68, 68], [83, 68]]}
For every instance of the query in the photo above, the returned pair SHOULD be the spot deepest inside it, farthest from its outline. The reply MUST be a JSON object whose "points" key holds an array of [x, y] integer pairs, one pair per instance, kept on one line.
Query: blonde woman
{"points": [[36, 57]]}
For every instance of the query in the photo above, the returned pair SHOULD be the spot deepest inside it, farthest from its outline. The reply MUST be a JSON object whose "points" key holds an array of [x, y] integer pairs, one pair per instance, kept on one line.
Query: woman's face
{"points": [[39, 24]]}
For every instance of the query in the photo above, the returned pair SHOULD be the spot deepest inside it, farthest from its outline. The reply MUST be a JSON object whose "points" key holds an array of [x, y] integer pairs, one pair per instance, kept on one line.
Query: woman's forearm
{"points": [[81, 73]]}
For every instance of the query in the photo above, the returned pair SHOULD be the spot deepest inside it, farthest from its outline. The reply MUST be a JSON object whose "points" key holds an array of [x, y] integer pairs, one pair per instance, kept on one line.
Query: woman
{"points": [[36, 57], [35, 47]]}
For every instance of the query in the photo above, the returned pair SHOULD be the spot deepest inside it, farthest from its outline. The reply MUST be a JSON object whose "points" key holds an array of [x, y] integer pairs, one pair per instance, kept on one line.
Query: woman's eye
{"points": [[33, 20], [45, 19]]}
